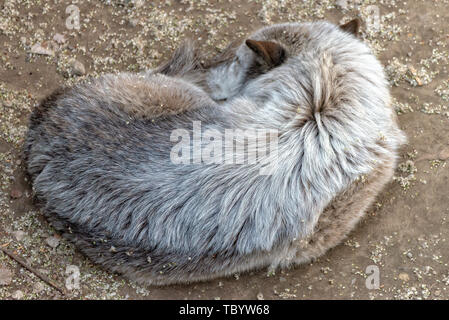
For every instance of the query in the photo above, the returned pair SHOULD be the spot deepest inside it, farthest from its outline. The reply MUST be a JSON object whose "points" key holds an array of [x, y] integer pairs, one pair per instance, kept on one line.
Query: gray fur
{"points": [[105, 179]]}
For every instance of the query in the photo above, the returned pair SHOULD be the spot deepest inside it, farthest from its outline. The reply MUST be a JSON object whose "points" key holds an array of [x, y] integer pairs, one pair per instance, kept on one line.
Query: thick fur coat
{"points": [[99, 157]]}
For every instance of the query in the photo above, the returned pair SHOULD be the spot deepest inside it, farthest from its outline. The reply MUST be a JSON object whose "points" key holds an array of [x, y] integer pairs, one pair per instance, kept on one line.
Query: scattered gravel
{"points": [[38, 54]]}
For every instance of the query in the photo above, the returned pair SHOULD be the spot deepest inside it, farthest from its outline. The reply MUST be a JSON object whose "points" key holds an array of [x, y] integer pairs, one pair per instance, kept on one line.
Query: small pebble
{"points": [[39, 49], [133, 22], [44, 271], [52, 242], [38, 287], [77, 68], [444, 154], [7, 104], [59, 38], [5, 276], [404, 277], [19, 235], [342, 4], [18, 294]]}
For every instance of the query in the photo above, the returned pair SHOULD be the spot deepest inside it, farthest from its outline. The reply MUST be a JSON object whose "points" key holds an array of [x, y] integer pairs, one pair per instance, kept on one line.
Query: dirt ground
{"points": [[404, 233]]}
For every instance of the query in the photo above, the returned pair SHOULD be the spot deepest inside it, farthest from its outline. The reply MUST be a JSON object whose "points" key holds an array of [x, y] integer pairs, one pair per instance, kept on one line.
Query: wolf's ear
{"points": [[352, 26], [271, 52]]}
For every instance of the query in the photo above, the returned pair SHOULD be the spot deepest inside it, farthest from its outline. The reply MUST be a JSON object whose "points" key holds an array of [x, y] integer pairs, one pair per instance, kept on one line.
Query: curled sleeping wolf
{"points": [[99, 153]]}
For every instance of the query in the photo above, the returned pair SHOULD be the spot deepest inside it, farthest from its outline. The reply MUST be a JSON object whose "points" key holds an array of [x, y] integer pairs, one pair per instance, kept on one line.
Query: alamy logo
{"points": [[73, 20], [233, 146], [72, 282], [372, 17], [372, 281]]}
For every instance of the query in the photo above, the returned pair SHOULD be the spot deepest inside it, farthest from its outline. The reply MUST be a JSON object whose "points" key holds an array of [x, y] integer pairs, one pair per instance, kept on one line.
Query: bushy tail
{"points": [[185, 60]]}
